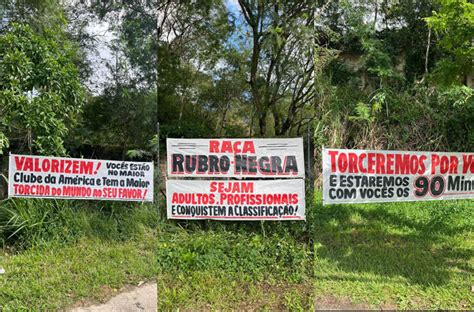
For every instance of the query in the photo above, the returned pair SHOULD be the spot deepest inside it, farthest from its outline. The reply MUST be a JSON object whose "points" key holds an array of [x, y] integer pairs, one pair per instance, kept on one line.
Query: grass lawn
{"points": [[220, 290], [67, 252], [390, 256], [58, 275], [222, 269], [400, 255]]}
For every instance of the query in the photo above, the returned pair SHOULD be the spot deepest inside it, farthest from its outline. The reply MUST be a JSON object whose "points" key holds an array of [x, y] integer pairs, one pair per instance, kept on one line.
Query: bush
{"points": [[28, 222], [236, 253]]}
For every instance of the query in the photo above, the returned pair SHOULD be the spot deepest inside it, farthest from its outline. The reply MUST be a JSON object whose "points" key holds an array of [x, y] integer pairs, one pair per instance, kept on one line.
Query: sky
{"points": [[236, 14], [102, 55], [232, 5]]}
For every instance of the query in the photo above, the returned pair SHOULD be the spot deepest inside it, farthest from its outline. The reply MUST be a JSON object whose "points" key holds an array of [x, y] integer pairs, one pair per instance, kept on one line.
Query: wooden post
{"points": [[157, 174]]}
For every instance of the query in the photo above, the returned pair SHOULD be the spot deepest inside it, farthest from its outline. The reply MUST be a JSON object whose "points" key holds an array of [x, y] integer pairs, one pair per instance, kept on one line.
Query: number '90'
{"points": [[435, 186]]}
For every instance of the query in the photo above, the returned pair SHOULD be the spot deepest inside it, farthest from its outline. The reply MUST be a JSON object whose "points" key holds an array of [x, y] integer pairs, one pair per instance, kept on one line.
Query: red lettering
{"points": [[342, 163], [422, 165], [213, 187], [19, 162], [371, 163], [333, 155], [444, 165], [467, 164], [226, 147], [28, 165], [434, 163], [248, 147], [380, 167], [353, 163], [453, 167], [402, 162], [390, 163], [36, 165], [361, 163], [413, 164], [54, 165], [236, 147], [213, 146]]}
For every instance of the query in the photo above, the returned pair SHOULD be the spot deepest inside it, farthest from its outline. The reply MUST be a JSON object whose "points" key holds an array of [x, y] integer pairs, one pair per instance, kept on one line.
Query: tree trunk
{"points": [[277, 122], [220, 126], [262, 122]]}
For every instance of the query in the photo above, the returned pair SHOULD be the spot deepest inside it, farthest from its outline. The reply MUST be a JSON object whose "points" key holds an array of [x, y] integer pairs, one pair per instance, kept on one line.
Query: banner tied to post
{"points": [[75, 178], [236, 200], [258, 158], [366, 176]]}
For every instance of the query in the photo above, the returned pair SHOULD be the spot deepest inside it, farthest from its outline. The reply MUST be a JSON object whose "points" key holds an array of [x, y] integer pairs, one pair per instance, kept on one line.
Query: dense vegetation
{"points": [[356, 73], [377, 74]]}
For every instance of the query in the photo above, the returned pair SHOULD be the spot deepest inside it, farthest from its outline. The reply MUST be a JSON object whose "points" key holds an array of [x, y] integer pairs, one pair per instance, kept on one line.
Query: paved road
{"points": [[138, 299]]}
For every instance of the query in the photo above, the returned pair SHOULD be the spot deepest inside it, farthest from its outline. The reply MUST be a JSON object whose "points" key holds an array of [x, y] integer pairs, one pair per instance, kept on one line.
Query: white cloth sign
{"points": [[262, 158], [365, 176], [58, 177], [236, 200]]}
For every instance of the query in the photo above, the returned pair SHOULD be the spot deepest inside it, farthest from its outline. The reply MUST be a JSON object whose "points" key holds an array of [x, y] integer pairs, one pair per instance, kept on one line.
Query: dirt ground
{"points": [[332, 303], [143, 298]]}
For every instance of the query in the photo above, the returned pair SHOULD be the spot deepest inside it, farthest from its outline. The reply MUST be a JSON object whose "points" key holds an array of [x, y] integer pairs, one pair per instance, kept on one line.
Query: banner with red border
{"points": [[236, 200], [76, 178], [251, 158], [366, 176]]}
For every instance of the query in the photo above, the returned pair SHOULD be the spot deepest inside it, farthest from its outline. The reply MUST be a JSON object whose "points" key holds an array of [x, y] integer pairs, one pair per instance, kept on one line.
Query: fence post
{"points": [[309, 159], [157, 174]]}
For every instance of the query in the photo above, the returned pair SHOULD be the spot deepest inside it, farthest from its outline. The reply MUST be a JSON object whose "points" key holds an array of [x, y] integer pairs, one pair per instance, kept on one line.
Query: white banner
{"points": [[236, 200], [57, 177], [365, 176], [262, 158]]}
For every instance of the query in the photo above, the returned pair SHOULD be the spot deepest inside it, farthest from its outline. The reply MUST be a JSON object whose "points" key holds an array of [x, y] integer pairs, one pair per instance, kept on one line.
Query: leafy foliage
{"points": [[454, 24], [31, 222], [40, 91], [359, 74]]}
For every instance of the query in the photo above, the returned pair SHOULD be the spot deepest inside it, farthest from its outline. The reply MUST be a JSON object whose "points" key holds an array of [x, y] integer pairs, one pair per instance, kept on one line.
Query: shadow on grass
{"points": [[393, 240]]}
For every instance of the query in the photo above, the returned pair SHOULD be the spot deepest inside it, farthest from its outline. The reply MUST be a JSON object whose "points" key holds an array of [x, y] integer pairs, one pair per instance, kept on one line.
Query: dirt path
{"points": [[143, 298], [332, 303]]}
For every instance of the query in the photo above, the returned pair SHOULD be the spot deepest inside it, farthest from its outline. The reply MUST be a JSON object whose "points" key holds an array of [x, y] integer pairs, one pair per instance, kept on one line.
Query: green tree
{"points": [[120, 119], [192, 38], [281, 62], [40, 91], [454, 25]]}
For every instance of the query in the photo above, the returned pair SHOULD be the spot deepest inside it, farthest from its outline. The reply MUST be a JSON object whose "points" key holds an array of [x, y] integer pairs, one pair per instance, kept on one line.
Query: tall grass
{"points": [[28, 222]]}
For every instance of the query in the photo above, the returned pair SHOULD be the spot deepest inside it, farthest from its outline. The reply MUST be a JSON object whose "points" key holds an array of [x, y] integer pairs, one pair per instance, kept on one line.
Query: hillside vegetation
{"points": [[93, 79]]}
